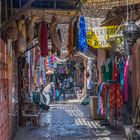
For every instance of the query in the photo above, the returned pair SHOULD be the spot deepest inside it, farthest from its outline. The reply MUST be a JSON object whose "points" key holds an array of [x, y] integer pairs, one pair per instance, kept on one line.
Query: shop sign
{"points": [[99, 37]]}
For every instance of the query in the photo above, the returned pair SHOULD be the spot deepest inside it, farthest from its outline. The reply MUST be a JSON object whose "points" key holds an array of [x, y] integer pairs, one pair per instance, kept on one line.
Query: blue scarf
{"points": [[82, 35]]}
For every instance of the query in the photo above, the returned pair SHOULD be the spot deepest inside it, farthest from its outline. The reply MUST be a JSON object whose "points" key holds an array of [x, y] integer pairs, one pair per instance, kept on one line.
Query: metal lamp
{"points": [[131, 32]]}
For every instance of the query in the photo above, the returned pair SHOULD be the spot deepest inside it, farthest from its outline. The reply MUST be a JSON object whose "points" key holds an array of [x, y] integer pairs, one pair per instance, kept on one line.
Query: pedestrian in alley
{"points": [[85, 100], [45, 96], [89, 85]]}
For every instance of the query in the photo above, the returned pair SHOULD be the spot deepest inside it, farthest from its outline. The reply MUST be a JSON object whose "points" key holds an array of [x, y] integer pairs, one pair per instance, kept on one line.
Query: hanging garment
{"points": [[112, 101], [53, 58], [108, 104], [49, 62], [82, 35], [35, 77], [75, 38], [114, 72], [44, 39], [121, 69], [37, 58], [101, 99], [119, 100], [70, 39], [59, 33], [107, 70], [125, 93], [39, 76]]}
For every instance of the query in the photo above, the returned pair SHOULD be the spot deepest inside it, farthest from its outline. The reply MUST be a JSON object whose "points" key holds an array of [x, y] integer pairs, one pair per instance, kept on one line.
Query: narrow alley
{"points": [[69, 69], [68, 121]]}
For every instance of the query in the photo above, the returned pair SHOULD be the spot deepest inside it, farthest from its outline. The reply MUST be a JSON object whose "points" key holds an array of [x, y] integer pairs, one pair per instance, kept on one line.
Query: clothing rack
{"points": [[107, 122]]}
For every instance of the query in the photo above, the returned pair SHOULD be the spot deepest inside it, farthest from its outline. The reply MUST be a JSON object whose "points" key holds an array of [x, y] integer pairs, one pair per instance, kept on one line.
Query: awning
{"points": [[88, 55]]}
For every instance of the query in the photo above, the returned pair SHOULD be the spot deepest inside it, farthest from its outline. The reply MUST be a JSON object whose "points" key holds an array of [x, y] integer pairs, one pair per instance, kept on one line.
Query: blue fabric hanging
{"points": [[82, 35], [44, 78], [49, 62], [39, 75]]}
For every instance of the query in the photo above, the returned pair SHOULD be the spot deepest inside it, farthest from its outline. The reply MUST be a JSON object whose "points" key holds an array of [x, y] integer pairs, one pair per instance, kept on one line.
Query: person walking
{"points": [[45, 96]]}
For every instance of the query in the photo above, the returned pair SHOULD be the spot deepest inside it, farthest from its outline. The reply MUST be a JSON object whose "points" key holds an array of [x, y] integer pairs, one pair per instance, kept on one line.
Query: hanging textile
{"points": [[125, 94], [49, 62], [75, 38], [35, 77], [56, 42], [44, 39], [121, 69], [44, 81], [70, 41], [82, 35], [59, 33], [114, 72], [107, 69]]}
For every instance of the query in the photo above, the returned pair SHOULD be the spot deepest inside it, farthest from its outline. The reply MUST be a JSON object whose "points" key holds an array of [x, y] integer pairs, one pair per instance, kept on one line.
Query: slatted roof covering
{"points": [[112, 3], [55, 4], [60, 15], [100, 8]]}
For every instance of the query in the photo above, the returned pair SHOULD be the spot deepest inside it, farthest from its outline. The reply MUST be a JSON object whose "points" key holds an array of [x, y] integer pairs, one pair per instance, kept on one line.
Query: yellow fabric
{"points": [[92, 39], [99, 37]]}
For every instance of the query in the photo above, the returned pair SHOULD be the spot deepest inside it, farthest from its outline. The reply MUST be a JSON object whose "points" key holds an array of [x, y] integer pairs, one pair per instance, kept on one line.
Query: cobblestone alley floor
{"points": [[69, 121]]}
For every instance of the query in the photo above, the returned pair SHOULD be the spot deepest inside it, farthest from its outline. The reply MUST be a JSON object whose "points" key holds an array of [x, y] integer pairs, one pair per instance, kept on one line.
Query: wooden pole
{"points": [[6, 12], [0, 13], [11, 7], [85, 77]]}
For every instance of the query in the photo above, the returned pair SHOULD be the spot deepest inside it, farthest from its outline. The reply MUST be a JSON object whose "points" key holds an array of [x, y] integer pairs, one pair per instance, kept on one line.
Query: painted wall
{"points": [[6, 75]]}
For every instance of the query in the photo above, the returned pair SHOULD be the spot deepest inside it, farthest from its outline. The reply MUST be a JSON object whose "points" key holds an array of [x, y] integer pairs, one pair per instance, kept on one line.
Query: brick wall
{"points": [[5, 92]]}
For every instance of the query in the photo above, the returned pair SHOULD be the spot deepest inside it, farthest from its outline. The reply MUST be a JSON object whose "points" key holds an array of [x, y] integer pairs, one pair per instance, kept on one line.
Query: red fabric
{"points": [[114, 73], [44, 39]]}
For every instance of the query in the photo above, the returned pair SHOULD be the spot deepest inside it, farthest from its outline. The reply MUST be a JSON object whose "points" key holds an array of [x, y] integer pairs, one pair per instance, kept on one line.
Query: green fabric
{"points": [[107, 75]]}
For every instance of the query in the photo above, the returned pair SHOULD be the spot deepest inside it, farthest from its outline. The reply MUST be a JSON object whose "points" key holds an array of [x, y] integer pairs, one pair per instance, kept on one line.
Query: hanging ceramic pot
{"points": [[21, 42], [30, 28], [13, 31], [56, 42]]}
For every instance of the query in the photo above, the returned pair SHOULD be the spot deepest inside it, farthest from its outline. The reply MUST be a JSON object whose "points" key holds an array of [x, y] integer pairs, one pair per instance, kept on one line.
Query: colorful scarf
{"points": [[44, 39], [82, 35]]}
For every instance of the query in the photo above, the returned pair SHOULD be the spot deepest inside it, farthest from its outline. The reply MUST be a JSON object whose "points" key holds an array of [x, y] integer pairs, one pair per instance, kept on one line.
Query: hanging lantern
{"points": [[131, 32]]}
